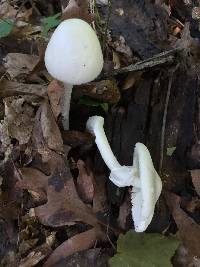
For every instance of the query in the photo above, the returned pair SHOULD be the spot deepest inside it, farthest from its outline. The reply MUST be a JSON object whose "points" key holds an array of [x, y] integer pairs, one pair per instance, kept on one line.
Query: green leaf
{"points": [[144, 250], [5, 28], [93, 103], [49, 23], [170, 151]]}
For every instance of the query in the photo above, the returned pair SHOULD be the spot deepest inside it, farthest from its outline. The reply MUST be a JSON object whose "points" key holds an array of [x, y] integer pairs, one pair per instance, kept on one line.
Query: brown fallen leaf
{"points": [[55, 93], [64, 206], [196, 180], [188, 229], [105, 91], [91, 257], [9, 11], [36, 255], [19, 118], [50, 130], [123, 50], [85, 182], [100, 195], [12, 88], [18, 65], [77, 243], [10, 209], [124, 212], [40, 63], [6, 146], [34, 181], [192, 206], [131, 79], [76, 138], [116, 60], [77, 9]]}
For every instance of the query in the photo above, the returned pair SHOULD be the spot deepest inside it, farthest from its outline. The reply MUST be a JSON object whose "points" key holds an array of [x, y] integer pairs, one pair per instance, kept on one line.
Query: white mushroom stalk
{"points": [[141, 176], [73, 56]]}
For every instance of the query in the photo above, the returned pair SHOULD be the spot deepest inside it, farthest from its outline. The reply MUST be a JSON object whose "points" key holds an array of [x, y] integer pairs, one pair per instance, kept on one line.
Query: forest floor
{"points": [[57, 205]]}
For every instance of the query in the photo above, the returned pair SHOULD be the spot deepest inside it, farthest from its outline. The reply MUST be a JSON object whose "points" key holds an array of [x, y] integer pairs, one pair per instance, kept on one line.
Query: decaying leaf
{"points": [[36, 255], [50, 130], [105, 90], [10, 202], [55, 93], [100, 197], [19, 65], [19, 118], [76, 243], [92, 257], [196, 180], [188, 229], [63, 206], [7, 10], [120, 46], [6, 146], [12, 88], [77, 9], [85, 182], [144, 250], [131, 79], [34, 181], [76, 138], [124, 212]]}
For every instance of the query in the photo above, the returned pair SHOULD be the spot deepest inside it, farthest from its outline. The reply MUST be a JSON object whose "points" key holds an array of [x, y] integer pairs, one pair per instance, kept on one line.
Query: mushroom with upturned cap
{"points": [[142, 176], [73, 56]]}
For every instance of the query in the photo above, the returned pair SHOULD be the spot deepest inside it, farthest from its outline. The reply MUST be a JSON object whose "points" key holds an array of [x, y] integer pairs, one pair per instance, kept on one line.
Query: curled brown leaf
{"points": [[77, 243], [105, 90], [77, 9], [85, 182]]}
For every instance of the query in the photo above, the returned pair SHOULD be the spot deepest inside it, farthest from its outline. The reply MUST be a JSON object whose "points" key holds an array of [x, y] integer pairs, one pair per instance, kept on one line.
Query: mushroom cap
{"points": [[73, 54], [146, 195]]}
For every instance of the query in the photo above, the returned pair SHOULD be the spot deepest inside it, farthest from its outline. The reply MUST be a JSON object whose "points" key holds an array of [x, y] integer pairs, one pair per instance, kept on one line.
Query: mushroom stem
{"points": [[120, 175], [66, 105], [95, 126]]}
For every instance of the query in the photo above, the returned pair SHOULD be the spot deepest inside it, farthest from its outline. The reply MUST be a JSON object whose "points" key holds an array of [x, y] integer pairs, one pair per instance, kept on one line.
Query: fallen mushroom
{"points": [[73, 56], [141, 176]]}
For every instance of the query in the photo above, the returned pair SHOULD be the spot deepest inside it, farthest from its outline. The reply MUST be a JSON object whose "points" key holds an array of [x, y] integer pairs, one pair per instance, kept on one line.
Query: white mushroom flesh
{"points": [[142, 176], [144, 200], [73, 54]]}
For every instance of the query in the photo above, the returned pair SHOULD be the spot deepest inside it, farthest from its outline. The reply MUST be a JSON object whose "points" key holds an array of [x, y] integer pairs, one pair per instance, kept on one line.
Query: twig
{"points": [[162, 145], [107, 235], [167, 57]]}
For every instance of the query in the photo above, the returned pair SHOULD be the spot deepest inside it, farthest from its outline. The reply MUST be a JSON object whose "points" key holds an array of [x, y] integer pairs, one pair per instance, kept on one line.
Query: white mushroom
{"points": [[141, 176], [73, 56]]}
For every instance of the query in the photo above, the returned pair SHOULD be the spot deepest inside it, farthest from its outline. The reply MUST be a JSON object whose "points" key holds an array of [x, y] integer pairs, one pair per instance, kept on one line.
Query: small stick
{"points": [[165, 119], [167, 57]]}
